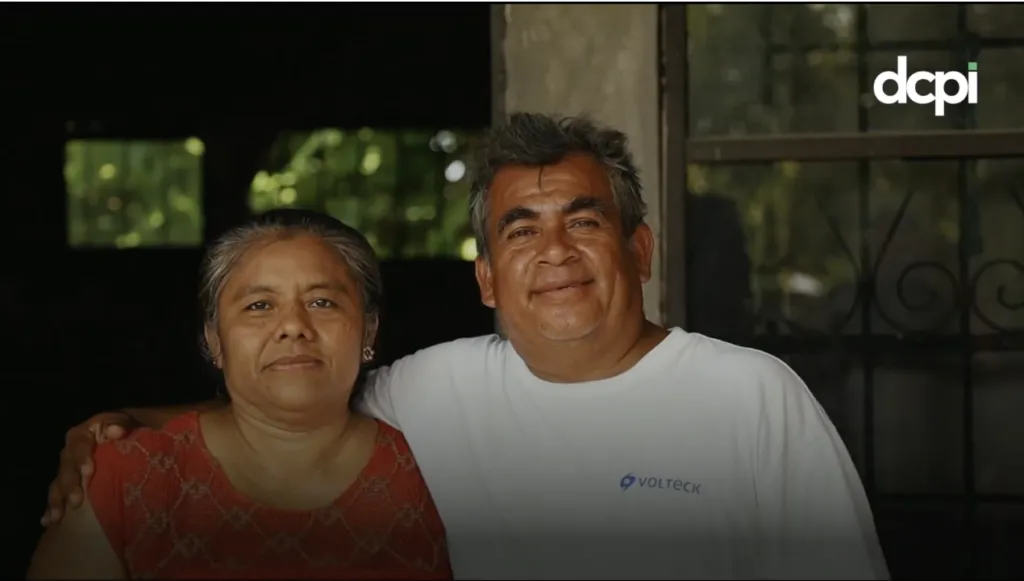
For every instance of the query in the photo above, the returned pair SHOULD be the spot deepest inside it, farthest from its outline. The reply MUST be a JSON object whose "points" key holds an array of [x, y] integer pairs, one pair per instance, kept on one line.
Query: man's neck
{"points": [[591, 358]]}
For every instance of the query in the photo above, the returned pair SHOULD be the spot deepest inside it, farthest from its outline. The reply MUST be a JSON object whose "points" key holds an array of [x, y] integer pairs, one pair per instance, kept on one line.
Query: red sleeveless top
{"points": [[170, 512]]}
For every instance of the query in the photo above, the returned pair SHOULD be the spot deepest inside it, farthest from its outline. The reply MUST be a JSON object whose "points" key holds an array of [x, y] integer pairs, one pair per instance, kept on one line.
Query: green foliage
{"points": [[406, 191], [134, 193]]}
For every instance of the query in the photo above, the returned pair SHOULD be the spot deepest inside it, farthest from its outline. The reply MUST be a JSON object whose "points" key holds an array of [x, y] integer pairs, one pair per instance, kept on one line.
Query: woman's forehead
{"points": [[297, 259]]}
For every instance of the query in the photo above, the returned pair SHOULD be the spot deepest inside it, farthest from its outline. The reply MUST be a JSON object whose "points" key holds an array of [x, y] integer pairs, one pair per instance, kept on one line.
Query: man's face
{"points": [[559, 268]]}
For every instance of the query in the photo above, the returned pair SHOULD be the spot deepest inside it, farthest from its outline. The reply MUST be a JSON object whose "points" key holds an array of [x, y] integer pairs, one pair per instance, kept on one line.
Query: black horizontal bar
{"points": [[855, 146], [899, 45], [181, 127], [949, 498], [922, 344]]}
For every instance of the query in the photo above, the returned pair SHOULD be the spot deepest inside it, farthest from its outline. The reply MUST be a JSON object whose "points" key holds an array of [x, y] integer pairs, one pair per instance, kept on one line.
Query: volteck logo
{"points": [[673, 484], [907, 87]]}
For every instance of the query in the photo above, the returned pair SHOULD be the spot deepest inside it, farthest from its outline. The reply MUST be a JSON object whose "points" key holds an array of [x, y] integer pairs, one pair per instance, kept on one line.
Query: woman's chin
{"points": [[303, 396]]}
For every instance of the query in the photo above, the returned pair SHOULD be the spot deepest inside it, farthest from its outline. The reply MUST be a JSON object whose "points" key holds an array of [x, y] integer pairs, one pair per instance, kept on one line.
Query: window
{"points": [[876, 248], [126, 194], [407, 191]]}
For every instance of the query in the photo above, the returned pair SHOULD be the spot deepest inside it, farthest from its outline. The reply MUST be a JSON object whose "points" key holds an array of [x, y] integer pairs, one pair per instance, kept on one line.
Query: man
{"points": [[593, 443]]}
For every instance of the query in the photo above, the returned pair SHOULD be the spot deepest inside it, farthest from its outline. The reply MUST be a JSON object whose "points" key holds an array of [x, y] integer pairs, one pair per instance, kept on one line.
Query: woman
{"points": [[285, 481]]}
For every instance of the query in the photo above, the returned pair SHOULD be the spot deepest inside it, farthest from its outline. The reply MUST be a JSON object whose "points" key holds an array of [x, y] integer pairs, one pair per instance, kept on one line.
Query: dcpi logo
{"points": [[673, 484], [906, 87]]}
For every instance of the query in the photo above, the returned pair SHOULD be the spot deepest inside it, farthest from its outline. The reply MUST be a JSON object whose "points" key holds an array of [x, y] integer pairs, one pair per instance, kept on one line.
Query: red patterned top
{"points": [[170, 512]]}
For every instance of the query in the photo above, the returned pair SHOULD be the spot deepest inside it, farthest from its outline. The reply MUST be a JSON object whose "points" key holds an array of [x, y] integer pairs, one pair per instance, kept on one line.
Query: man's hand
{"points": [[76, 460]]}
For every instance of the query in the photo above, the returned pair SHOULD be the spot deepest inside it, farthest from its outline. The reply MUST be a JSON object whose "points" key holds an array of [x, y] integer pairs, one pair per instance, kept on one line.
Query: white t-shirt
{"points": [[705, 460]]}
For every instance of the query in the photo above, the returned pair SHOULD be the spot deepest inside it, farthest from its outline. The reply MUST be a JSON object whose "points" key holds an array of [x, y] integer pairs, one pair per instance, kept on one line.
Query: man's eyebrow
{"points": [[578, 204], [582, 203], [514, 215]]}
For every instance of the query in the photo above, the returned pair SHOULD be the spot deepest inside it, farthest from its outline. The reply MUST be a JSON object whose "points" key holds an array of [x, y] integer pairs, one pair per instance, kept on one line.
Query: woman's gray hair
{"points": [[351, 247], [534, 139]]}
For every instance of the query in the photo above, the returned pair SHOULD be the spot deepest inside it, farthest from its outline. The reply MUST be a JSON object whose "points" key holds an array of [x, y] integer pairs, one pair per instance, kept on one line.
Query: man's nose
{"points": [[558, 247]]}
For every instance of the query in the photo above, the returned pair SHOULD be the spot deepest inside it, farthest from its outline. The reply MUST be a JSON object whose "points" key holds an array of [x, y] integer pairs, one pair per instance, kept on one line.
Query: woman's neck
{"points": [[283, 448], [288, 465], [276, 444]]}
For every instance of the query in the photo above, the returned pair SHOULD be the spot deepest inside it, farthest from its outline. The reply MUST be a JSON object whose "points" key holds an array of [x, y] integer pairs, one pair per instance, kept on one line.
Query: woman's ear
{"points": [[213, 347], [370, 334]]}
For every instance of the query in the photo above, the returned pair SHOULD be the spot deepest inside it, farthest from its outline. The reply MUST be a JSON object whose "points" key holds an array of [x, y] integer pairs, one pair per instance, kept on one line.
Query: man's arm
{"points": [[816, 519], [393, 391], [77, 548], [158, 417], [76, 465], [376, 400]]}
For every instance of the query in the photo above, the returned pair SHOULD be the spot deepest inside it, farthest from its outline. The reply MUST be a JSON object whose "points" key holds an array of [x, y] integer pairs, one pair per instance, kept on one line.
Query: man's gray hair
{"points": [[349, 245], [534, 139]]}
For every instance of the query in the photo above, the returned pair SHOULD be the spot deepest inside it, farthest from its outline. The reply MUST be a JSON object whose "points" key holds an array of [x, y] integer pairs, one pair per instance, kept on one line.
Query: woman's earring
{"points": [[367, 354]]}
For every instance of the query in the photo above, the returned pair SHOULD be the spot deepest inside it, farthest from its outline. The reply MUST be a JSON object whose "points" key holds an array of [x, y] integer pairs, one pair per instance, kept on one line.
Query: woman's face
{"points": [[290, 330]]}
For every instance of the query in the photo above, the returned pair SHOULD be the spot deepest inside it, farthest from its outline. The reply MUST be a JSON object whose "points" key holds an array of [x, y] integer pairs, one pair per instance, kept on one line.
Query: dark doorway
{"points": [[106, 308]]}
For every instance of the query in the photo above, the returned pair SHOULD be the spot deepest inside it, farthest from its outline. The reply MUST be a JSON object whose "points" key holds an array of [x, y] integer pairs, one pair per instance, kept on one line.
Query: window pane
{"points": [[997, 261], [809, 24], [996, 20], [1000, 537], [923, 541], [126, 194], [815, 91], [405, 190], [903, 22], [918, 422], [1000, 87], [998, 430], [793, 68], [738, 86], [797, 226]]}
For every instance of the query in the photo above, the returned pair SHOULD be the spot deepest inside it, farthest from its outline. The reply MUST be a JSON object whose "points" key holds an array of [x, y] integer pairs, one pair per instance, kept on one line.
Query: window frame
{"points": [[678, 150]]}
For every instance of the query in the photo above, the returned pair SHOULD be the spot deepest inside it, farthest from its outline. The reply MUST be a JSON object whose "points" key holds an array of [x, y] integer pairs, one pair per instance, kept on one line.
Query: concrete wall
{"points": [[600, 59]]}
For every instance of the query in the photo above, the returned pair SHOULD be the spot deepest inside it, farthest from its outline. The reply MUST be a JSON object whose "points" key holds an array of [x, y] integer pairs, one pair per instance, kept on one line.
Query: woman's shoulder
{"points": [[390, 441], [166, 444], [393, 457]]}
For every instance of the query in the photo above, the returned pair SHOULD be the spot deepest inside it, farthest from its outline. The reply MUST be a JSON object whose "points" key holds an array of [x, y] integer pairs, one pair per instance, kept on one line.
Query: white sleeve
{"points": [[815, 517], [393, 391], [376, 400]]}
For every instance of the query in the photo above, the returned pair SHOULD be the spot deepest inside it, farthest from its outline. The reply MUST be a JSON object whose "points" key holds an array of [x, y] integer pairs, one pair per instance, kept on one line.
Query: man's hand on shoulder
{"points": [[76, 466], [68, 489]]}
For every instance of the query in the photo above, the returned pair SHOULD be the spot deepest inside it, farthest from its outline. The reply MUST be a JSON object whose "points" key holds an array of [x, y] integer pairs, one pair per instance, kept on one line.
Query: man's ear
{"points": [[642, 244], [213, 346], [485, 280]]}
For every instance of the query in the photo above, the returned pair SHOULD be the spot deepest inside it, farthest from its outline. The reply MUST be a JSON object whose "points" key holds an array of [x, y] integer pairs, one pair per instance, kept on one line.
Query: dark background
{"points": [[100, 329]]}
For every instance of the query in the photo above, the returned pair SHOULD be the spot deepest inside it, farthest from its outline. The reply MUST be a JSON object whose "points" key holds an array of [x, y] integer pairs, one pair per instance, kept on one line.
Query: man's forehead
{"points": [[574, 175]]}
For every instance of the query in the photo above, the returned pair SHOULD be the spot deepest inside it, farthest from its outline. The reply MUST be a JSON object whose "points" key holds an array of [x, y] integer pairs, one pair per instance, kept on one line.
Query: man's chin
{"points": [[567, 329], [554, 323]]}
